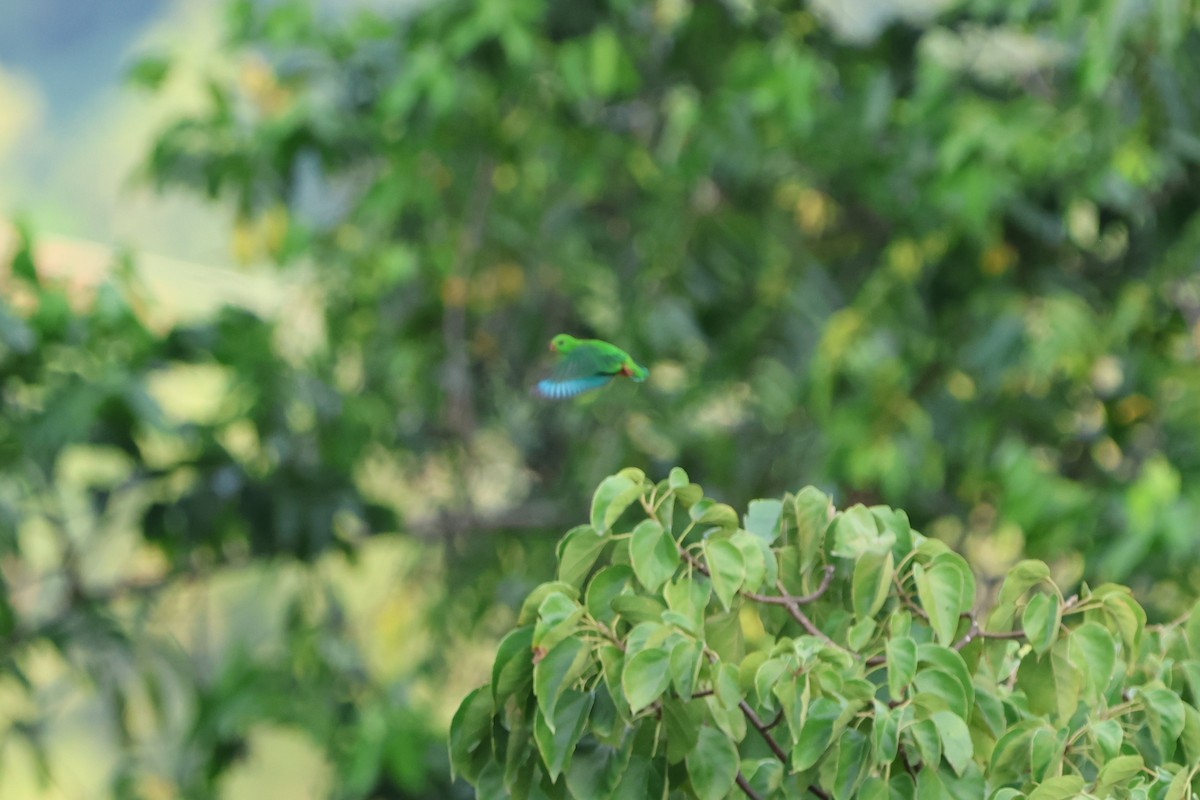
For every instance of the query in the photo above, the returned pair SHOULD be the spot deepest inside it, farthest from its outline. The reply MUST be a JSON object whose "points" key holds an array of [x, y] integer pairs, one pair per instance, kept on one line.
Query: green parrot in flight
{"points": [[586, 364]]}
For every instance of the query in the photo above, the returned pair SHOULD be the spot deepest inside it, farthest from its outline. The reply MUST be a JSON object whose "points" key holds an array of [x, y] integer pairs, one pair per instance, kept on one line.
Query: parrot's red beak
{"points": [[552, 347]]}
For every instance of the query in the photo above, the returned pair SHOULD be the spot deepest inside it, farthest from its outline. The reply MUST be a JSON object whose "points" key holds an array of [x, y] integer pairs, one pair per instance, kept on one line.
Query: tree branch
{"points": [[764, 730], [746, 788]]}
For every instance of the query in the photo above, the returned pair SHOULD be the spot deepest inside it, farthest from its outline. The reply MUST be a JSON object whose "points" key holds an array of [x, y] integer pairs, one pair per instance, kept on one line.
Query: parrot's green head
{"points": [[563, 343]]}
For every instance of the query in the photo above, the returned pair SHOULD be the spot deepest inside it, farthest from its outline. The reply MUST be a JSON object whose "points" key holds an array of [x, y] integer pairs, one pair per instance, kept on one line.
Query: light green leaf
{"points": [[677, 478], [1040, 621], [871, 581], [929, 743], [712, 765], [1093, 650], [1190, 738], [606, 586], [682, 721], [557, 743], [811, 511], [512, 671], [726, 568], [1164, 713], [686, 659], [861, 633], [1108, 737], [557, 670], [941, 590], [852, 762], [716, 514], [469, 730], [815, 733], [901, 665], [725, 685], [1010, 756], [885, 733], [856, 531], [1064, 787], [956, 739], [752, 558], [762, 519], [1180, 788], [558, 618], [653, 554], [1116, 771], [645, 678], [614, 494], [577, 552], [1020, 578]]}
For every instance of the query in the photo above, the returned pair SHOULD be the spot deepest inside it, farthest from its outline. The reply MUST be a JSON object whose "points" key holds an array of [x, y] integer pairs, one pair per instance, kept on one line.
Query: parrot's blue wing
{"points": [[561, 390]]}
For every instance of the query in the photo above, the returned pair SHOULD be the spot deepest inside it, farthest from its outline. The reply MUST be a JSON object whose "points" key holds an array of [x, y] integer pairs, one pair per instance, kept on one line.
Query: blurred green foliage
{"points": [[946, 265]]}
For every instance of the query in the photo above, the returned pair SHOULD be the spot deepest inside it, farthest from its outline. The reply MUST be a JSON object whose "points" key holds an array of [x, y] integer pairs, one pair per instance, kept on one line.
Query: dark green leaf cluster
{"points": [[805, 652]]}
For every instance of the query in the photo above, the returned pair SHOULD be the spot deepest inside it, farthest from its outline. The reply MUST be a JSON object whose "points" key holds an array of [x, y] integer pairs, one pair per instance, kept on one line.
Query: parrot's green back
{"points": [[586, 364]]}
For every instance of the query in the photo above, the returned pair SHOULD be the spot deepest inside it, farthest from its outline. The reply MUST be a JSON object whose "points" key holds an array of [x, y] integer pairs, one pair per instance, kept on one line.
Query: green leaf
{"points": [[852, 762], [712, 765], [726, 568], [686, 659], [469, 730], [1041, 620], [1094, 652], [512, 671], [753, 560], [717, 514], [1020, 578], [1180, 788], [1190, 738], [956, 739], [1164, 712], [856, 532], [533, 601], [815, 733], [577, 553], [1126, 614], [558, 618], [1064, 787], [1045, 751], [557, 670], [653, 554], [682, 721], [557, 742], [901, 665], [677, 478], [688, 596], [1108, 737], [762, 519], [1116, 771], [929, 742], [871, 582], [940, 589], [861, 633], [885, 733], [1010, 756], [615, 494], [811, 510], [645, 678], [606, 586], [1192, 631]]}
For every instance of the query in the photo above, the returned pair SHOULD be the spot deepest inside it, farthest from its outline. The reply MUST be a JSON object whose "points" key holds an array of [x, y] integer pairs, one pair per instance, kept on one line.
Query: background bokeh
{"points": [[280, 275]]}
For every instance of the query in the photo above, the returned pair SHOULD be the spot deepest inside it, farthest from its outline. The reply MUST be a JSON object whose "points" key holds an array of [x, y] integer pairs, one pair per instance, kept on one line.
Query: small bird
{"points": [[586, 364]]}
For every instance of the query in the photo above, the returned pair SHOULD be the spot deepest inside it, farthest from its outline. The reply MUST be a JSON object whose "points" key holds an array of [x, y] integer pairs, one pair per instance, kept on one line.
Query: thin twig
{"points": [[805, 599], [746, 788], [764, 730]]}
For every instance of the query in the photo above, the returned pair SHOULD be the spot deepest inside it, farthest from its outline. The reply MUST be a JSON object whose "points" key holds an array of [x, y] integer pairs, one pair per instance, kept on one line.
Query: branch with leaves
{"points": [[848, 642]]}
